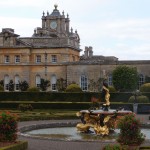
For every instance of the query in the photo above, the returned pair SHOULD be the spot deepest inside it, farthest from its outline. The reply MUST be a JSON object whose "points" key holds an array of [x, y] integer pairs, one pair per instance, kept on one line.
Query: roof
{"points": [[55, 12]]}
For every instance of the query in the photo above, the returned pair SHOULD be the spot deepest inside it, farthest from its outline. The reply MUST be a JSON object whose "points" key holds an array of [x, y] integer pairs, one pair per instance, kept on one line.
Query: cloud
{"points": [[109, 34], [22, 26]]}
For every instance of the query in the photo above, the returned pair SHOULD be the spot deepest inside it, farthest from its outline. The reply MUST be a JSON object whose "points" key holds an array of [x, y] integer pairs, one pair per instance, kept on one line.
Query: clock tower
{"points": [[54, 25]]}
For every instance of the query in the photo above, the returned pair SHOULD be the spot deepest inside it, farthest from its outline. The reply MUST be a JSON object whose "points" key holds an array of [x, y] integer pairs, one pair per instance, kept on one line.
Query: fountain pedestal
{"points": [[101, 121]]}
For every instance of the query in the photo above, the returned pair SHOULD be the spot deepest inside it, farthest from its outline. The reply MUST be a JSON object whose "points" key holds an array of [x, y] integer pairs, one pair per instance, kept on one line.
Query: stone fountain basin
{"points": [[65, 135]]}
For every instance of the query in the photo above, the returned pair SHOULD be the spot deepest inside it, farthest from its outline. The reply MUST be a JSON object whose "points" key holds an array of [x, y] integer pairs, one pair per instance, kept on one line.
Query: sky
{"points": [[119, 28]]}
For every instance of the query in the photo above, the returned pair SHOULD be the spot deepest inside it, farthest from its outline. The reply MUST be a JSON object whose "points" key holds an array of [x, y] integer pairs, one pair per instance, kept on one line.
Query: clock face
{"points": [[53, 25]]}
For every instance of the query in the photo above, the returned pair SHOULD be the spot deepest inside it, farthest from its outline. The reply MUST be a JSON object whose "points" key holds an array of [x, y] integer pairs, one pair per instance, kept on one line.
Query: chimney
{"points": [[86, 52], [90, 51]]}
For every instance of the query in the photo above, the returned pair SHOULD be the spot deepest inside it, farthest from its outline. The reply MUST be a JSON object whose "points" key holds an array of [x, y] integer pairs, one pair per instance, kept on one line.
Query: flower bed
{"points": [[8, 127]]}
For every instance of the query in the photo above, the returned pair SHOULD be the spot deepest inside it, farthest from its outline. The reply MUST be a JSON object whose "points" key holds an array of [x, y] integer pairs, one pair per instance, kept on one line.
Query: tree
{"points": [[11, 85], [73, 88], [44, 84], [125, 78], [2, 83], [61, 84], [23, 85]]}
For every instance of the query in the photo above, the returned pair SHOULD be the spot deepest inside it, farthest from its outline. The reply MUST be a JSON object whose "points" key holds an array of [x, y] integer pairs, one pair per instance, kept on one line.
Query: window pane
{"points": [[141, 80], [38, 81], [53, 83], [38, 58], [54, 58], [17, 59], [7, 59], [84, 83]]}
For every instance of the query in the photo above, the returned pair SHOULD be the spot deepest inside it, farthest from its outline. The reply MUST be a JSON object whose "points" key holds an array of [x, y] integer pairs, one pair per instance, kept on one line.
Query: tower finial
{"points": [[71, 30], [55, 6], [43, 13], [63, 13]]}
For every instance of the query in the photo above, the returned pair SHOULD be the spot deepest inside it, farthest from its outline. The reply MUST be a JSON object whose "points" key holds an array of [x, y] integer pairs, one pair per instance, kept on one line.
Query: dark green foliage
{"points": [[61, 105], [44, 84], [145, 87], [111, 89], [113, 147], [147, 79], [25, 107], [1, 88], [130, 132], [61, 84], [8, 127], [23, 85], [73, 88], [33, 89], [125, 78], [2, 83], [11, 85], [140, 99], [22, 145], [62, 97]]}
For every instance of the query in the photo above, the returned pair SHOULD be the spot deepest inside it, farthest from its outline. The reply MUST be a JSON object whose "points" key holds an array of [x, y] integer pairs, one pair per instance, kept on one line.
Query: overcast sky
{"points": [[118, 28]]}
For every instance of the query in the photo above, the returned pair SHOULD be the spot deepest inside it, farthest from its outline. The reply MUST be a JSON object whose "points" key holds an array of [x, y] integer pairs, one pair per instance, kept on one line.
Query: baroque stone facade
{"points": [[53, 52]]}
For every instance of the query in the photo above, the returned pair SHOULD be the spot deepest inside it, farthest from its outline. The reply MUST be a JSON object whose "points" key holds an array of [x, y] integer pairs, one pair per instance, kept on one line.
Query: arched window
{"points": [[53, 82], [6, 83], [141, 80], [84, 83], [38, 81], [110, 80], [16, 83]]}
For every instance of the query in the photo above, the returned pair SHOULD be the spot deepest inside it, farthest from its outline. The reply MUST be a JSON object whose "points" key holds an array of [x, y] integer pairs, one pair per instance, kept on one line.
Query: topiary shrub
{"points": [[33, 89], [73, 88], [112, 89], [145, 87], [8, 127], [1, 88], [112, 147], [140, 99], [25, 107]]}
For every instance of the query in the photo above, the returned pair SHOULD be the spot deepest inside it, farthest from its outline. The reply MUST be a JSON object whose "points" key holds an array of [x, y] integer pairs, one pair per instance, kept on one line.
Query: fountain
{"points": [[101, 120], [94, 121]]}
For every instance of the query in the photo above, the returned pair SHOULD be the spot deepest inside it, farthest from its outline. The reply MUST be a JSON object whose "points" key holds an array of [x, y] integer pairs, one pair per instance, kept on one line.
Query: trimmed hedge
{"points": [[142, 108], [62, 105], [22, 145], [140, 99], [57, 96]]}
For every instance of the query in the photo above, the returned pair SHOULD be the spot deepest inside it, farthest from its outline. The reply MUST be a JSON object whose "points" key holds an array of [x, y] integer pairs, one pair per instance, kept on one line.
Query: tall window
{"points": [[17, 59], [141, 80], [38, 58], [54, 58], [16, 83], [110, 80], [53, 83], [38, 81], [73, 58], [7, 59], [6, 83], [84, 83]]}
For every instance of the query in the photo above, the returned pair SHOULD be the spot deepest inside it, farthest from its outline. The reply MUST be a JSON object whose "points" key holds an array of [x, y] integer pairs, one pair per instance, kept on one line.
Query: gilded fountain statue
{"points": [[101, 120]]}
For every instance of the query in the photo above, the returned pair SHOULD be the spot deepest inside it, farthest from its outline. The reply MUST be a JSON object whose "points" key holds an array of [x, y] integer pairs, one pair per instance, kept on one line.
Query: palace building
{"points": [[53, 52]]}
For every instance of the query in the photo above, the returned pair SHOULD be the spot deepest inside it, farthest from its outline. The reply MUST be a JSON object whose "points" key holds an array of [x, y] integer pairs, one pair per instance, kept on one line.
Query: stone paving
{"points": [[45, 144]]}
